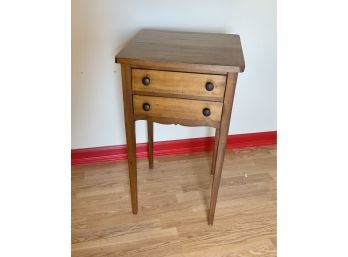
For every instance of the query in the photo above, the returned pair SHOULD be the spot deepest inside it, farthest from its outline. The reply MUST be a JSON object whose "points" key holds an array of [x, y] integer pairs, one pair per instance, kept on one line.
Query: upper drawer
{"points": [[179, 84]]}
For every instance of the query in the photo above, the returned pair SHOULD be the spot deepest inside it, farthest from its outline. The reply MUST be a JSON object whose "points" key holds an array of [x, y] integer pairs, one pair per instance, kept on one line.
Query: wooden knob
{"points": [[209, 86], [206, 112], [146, 107], [146, 81]]}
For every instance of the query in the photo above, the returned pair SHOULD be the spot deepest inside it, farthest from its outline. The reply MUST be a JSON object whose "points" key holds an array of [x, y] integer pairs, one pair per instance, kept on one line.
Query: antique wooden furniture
{"points": [[179, 78]]}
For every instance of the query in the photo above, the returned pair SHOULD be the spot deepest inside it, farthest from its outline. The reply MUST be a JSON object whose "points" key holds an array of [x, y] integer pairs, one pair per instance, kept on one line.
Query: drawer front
{"points": [[175, 110], [179, 84]]}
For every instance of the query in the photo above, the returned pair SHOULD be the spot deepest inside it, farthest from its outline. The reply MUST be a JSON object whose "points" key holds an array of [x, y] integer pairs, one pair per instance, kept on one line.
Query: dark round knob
{"points": [[146, 81], [206, 112], [209, 86], [146, 107]]}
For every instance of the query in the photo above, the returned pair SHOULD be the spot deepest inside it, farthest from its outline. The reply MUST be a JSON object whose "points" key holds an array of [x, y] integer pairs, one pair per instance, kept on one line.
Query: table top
{"points": [[175, 48]]}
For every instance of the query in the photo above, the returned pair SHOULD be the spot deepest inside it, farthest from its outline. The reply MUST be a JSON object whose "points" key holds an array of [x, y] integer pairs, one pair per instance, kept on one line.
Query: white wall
{"points": [[100, 28]]}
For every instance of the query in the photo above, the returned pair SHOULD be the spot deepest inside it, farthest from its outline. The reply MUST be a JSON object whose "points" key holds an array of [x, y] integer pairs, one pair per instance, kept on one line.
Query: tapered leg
{"points": [[150, 142], [213, 163], [132, 164], [130, 134], [223, 132]]}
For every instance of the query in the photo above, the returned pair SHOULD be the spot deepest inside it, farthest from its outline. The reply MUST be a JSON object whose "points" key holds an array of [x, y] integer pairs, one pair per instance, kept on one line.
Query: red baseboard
{"points": [[173, 147]]}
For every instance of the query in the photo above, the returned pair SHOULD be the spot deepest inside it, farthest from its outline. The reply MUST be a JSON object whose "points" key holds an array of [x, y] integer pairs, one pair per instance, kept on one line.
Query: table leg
{"points": [[221, 144], [132, 164], [130, 134], [150, 142], [213, 163]]}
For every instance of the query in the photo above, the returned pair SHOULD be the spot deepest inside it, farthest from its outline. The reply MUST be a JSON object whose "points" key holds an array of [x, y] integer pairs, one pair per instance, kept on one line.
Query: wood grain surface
{"points": [[176, 109], [214, 52], [173, 199], [178, 84]]}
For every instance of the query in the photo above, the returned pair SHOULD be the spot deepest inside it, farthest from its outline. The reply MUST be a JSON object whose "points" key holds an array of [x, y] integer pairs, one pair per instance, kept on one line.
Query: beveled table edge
{"points": [[183, 67]]}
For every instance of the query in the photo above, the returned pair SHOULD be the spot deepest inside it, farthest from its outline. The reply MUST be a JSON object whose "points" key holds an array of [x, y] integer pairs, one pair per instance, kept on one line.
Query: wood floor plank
{"points": [[173, 207]]}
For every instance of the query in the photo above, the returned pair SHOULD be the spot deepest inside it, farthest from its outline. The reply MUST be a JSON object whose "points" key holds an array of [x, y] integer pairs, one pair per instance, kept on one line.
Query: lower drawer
{"points": [[178, 111]]}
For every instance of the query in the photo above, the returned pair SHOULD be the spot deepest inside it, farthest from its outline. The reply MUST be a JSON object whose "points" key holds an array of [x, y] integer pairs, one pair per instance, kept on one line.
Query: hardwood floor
{"points": [[173, 207]]}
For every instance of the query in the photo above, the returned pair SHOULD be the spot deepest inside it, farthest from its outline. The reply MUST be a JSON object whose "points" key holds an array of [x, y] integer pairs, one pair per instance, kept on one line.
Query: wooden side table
{"points": [[179, 78]]}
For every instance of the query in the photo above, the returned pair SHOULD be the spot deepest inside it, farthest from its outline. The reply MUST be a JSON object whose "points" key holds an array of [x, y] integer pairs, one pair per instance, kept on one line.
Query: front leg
{"points": [[221, 144], [130, 134], [132, 163]]}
